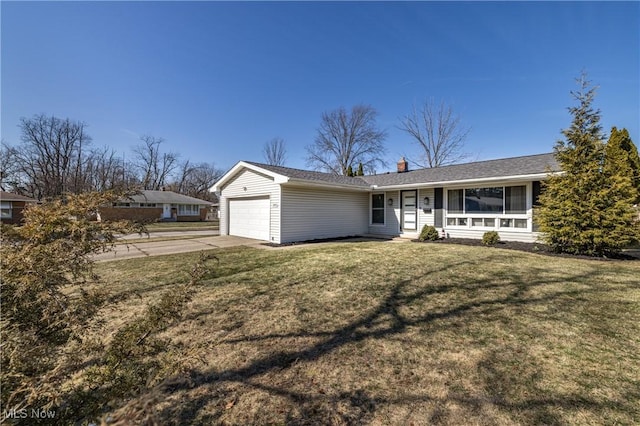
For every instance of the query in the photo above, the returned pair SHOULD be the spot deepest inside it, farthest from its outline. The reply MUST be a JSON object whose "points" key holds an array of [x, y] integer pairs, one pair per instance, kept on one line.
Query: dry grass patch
{"points": [[378, 333]]}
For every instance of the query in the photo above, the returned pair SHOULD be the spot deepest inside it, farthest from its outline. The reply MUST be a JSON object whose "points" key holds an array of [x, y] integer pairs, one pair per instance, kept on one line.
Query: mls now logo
{"points": [[23, 413], [15, 414]]}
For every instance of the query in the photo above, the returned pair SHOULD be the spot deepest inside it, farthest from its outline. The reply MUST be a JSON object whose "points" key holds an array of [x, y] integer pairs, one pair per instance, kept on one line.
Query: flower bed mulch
{"points": [[538, 248]]}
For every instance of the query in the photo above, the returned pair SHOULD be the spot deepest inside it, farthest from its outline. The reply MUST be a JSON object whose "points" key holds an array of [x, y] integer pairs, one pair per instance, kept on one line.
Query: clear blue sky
{"points": [[217, 80]]}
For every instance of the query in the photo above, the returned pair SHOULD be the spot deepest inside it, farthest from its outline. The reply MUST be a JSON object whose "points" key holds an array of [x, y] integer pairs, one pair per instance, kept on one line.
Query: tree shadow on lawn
{"points": [[510, 375]]}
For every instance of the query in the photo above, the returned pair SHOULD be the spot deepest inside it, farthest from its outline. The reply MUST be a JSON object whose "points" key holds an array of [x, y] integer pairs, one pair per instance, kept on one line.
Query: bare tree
{"points": [[52, 156], [184, 173], [106, 170], [9, 168], [196, 179], [347, 138], [154, 167], [438, 131], [275, 152]]}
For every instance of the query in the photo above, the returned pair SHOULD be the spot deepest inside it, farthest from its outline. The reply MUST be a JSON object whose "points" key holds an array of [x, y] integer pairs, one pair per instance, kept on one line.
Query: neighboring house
{"points": [[157, 205], [12, 205], [281, 204]]}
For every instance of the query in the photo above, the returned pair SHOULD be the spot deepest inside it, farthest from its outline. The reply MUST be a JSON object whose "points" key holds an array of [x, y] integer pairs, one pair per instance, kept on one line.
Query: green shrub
{"points": [[589, 208], [428, 233], [490, 238], [51, 296]]}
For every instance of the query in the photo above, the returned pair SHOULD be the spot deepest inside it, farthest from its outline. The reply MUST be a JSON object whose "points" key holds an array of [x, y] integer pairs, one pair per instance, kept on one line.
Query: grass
{"points": [[382, 333]]}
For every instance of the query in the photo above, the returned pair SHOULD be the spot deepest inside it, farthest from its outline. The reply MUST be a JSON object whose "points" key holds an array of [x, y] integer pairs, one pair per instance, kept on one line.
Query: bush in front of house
{"points": [[54, 295], [588, 209], [428, 233], [490, 238]]}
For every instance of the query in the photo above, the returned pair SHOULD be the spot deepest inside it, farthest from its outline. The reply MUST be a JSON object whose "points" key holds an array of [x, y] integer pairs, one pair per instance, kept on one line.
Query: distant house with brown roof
{"points": [[157, 205], [12, 206]]}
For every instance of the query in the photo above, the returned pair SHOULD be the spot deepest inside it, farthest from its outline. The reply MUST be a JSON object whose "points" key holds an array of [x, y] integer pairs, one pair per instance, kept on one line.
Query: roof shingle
{"points": [[312, 175], [503, 167], [168, 197]]}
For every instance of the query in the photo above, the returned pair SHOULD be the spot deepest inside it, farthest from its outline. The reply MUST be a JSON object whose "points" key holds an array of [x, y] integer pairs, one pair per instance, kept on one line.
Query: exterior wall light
{"points": [[390, 202], [426, 201]]}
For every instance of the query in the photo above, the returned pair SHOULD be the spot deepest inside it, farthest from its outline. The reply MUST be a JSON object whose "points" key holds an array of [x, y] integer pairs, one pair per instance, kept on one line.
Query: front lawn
{"points": [[397, 333]]}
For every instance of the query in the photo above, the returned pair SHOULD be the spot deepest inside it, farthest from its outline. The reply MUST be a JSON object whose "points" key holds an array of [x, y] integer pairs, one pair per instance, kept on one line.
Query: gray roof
{"points": [[168, 197], [8, 196], [503, 167], [309, 175]]}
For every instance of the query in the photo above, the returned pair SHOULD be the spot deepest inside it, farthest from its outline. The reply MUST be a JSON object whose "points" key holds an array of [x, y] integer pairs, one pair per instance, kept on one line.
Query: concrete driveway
{"points": [[158, 248]]}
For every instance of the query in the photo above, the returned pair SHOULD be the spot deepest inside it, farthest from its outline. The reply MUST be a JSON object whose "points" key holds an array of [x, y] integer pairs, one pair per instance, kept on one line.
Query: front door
{"points": [[409, 212], [166, 211]]}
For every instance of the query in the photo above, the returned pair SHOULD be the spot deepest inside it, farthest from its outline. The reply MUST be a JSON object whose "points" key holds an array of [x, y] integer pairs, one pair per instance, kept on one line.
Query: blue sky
{"points": [[217, 80]]}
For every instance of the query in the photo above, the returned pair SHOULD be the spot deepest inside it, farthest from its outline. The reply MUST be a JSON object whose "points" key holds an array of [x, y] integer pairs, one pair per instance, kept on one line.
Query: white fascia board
{"points": [[516, 178], [277, 178], [327, 185]]}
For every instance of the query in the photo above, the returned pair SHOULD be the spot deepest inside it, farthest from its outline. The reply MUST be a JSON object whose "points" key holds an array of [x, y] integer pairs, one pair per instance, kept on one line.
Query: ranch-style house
{"points": [[282, 205]]}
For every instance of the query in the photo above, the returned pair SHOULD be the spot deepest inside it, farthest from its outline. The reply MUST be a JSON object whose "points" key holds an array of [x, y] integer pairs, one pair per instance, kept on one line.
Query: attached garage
{"points": [[281, 205], [250, 217]]}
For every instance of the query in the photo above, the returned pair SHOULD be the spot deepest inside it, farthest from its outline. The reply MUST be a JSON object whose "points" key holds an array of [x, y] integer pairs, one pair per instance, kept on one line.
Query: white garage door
{"points": [[249, 218]]}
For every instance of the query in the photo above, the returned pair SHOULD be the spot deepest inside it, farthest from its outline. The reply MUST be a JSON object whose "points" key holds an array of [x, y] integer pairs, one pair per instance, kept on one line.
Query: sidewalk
{"points": [[164, 234], [158, 248]]}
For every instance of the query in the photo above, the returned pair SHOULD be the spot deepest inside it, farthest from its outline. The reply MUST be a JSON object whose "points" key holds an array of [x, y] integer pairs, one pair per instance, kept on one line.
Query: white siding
{"points": [[391, 215], [425, 218], [525, 237], [309, 213], [250, 184]]}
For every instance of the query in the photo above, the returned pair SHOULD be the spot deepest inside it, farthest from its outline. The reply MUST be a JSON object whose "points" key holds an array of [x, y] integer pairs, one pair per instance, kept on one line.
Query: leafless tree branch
{"points": [[275, 152], [438, 131], [347, 138]]}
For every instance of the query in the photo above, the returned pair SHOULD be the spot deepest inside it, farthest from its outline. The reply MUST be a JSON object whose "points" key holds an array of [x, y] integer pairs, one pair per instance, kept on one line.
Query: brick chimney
{"points": [[403, 165]]}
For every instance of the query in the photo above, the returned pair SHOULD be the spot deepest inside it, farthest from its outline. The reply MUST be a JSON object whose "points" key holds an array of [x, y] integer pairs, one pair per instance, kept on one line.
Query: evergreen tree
{"points": [[360, 170], [620, 140], [589, 208], [349, 171]]}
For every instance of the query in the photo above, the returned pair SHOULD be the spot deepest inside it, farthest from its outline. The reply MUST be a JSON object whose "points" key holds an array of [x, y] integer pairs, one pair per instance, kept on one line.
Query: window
{"points": [[488, 207], [514, 223], [6, 210], [536, 188], [455, 200], [483, 200], [515, 199], [487, 222], [519, 223], [377, 209], [188, 210]]}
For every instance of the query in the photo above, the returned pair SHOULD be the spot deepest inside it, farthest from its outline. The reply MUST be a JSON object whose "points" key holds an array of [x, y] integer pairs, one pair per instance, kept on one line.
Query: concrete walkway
{"points": [[172, 234], [158, 248]]}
